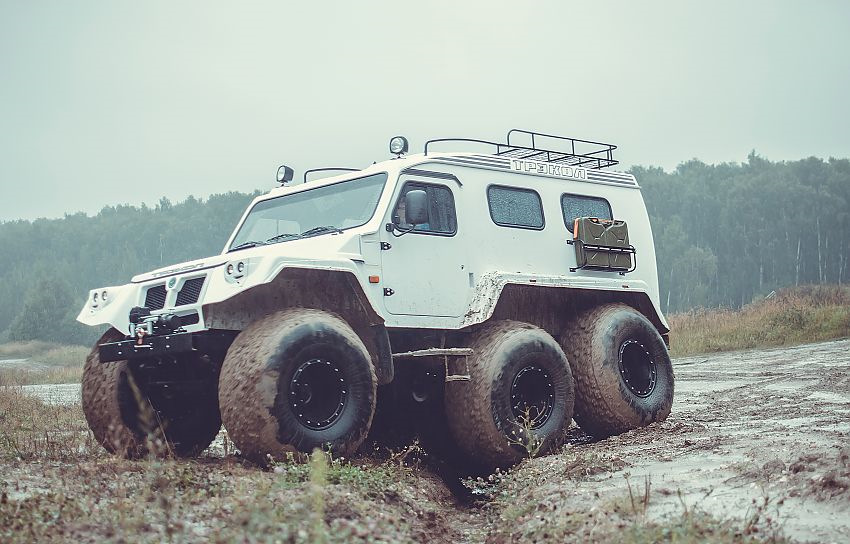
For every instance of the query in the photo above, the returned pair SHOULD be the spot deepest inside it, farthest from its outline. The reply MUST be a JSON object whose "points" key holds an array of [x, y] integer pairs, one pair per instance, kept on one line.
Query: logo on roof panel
{"points": [[548, 169]]}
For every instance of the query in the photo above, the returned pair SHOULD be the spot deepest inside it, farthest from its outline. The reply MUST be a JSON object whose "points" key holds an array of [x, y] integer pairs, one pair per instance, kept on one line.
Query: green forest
{"points": [[725, 235]]}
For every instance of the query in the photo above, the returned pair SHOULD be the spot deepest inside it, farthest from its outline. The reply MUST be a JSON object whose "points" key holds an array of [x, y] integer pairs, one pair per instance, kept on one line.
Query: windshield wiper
{"points": [[284, 236], [246, 245], [320, 230]]}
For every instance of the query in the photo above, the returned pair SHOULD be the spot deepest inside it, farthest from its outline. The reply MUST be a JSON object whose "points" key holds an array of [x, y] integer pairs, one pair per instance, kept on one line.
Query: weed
{"points": [[318, 483], [524, 437]]}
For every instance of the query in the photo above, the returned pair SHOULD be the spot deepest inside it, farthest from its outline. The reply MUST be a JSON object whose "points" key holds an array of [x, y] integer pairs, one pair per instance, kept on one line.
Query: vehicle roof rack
{"points": [[586, 153]]}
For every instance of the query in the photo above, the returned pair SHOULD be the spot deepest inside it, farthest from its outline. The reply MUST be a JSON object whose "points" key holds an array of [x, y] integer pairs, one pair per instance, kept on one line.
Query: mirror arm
{"points": [[392, 228]]}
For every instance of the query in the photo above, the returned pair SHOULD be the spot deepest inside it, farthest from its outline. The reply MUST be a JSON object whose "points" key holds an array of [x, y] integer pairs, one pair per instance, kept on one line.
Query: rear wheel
{"points": [[624, 377], [131, 406], [519, 400], [294, 381]]}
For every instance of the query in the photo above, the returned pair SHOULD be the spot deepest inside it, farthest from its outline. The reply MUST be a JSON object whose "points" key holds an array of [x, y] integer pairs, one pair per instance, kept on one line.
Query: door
{"points": [[423, 265]]}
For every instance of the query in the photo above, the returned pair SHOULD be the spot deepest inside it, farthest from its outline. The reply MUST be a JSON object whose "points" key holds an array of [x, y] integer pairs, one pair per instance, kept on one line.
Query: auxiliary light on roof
{"points": [[398, 145], [284, 174]]}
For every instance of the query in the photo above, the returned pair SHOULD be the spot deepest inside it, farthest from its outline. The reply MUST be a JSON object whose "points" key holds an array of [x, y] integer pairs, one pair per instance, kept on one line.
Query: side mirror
{"points": [[416, 207]]}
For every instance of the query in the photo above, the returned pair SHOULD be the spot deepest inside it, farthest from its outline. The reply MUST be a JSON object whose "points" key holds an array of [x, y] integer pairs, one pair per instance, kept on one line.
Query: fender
{"points": [[489, 289]]}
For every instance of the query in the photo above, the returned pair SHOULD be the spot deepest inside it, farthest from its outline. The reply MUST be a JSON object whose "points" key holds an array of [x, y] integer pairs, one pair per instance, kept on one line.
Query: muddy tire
{"points": [[296, 380], [519, 400], [123, 421], [623, 374]]}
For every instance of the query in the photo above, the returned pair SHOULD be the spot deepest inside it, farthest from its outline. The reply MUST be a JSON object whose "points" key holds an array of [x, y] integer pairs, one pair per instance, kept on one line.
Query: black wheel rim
{"points": [[532, 396], [317, 393], [637, 369]]}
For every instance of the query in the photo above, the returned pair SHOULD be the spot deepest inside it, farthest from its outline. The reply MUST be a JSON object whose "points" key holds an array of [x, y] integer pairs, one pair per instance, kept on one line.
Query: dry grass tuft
{"points": [[46, 363], [32, 430], [789, 317]]}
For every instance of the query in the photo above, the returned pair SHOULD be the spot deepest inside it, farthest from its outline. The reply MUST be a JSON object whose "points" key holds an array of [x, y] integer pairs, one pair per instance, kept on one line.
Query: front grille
{"points": [[190, 292], [155, 297]]}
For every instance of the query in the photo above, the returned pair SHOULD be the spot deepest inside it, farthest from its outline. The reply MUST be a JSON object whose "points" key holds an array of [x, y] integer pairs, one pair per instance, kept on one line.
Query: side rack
{"points": [[547, 148], [629, 252], [603, 244]]}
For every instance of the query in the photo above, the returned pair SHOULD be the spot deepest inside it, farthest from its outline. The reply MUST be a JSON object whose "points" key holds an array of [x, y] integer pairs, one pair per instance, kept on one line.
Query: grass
{"points": [[789, 317], [47, 363], [58, 484], [31, 430]]}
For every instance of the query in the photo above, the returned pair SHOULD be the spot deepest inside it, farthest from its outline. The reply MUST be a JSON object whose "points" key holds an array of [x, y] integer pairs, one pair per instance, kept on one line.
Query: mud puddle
{"points": [[747, 428]]}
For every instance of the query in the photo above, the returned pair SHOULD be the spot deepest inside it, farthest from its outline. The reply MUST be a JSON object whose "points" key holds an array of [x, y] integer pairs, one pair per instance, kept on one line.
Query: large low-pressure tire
{"points": [[624, 378], [296, 380], [123, 420], [519, 399]]}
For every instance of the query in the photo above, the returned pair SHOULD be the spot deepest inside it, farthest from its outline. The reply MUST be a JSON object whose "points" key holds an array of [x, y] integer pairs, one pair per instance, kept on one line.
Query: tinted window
{"points": [[441, 209], [575, 206], [514, 207]]}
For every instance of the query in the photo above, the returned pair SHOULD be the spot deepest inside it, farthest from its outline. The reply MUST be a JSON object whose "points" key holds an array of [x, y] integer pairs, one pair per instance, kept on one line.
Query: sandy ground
{"points": [[746, 427]]}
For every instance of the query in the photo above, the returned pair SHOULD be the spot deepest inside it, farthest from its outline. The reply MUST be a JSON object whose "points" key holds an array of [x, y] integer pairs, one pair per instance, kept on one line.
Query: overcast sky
{"points": [[124, 102]]}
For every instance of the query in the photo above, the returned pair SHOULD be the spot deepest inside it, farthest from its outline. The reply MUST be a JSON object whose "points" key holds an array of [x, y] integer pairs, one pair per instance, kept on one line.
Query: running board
{"points": [[445, 353]]}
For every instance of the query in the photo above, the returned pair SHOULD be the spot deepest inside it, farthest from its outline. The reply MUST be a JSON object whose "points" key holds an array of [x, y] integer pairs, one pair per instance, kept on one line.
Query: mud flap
{"points": [[384, 368]]}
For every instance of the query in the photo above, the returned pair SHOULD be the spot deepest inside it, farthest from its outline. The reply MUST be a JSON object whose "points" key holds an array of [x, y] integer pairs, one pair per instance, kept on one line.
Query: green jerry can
{"points": [[602, 244]]}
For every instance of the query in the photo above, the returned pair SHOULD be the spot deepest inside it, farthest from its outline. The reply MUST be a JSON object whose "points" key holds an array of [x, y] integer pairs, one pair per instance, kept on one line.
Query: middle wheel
{"points": [[294, 381], [519, 400]]}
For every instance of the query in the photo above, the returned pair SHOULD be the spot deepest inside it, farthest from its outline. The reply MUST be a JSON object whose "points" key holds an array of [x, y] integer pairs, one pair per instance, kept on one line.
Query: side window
{"points": [[575, 206], [515, 207], [441, 209]]}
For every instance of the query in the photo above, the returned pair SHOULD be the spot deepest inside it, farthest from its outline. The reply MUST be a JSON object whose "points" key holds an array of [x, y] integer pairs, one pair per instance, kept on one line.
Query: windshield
{"points": [[331, 208]]}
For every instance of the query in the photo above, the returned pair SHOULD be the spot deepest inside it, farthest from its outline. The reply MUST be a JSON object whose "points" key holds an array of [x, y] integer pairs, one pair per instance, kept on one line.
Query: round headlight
{"points": [[240, 267], [94, 298], [398, 145], [103, 296]]}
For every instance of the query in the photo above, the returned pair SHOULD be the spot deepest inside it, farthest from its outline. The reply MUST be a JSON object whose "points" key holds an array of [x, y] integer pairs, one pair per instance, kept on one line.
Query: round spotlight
{"points": [[398, 145], [240, 267], [103, 296], [230, 268], [95, 296]]}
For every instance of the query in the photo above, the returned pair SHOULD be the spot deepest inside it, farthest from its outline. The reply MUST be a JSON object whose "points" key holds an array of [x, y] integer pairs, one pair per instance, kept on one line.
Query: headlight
{"points": [[98, 298], [235, 271]]}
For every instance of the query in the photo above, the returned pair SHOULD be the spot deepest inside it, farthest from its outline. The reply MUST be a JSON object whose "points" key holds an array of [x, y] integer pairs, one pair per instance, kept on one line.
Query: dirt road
{"points": [[763, 431], [745, 427]]}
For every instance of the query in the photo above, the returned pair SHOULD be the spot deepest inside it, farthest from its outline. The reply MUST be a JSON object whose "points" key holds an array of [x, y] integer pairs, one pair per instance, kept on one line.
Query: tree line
{"points": [[725, 235]]}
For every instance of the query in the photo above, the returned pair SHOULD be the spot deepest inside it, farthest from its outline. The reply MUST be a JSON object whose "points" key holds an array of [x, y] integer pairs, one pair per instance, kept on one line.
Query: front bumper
{"points": [[203, 342]]}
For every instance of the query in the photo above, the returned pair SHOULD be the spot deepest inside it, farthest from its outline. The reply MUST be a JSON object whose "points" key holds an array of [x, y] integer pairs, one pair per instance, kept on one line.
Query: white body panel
{"points": [[437, 282]]}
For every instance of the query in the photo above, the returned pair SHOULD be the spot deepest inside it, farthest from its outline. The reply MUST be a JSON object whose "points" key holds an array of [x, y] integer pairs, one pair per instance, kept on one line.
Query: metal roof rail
{"points": [[310, 171], [586, 153]]}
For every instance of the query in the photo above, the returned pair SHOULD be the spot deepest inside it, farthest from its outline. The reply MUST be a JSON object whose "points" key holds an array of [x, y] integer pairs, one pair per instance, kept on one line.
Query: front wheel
{"points": [[128, 412], [518, 402], [296, 380], [624, 377]]}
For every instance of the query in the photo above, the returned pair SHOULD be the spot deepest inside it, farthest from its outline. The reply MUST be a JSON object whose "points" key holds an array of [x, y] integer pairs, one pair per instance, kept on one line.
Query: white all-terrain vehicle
{"points": [[495, 296]]}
